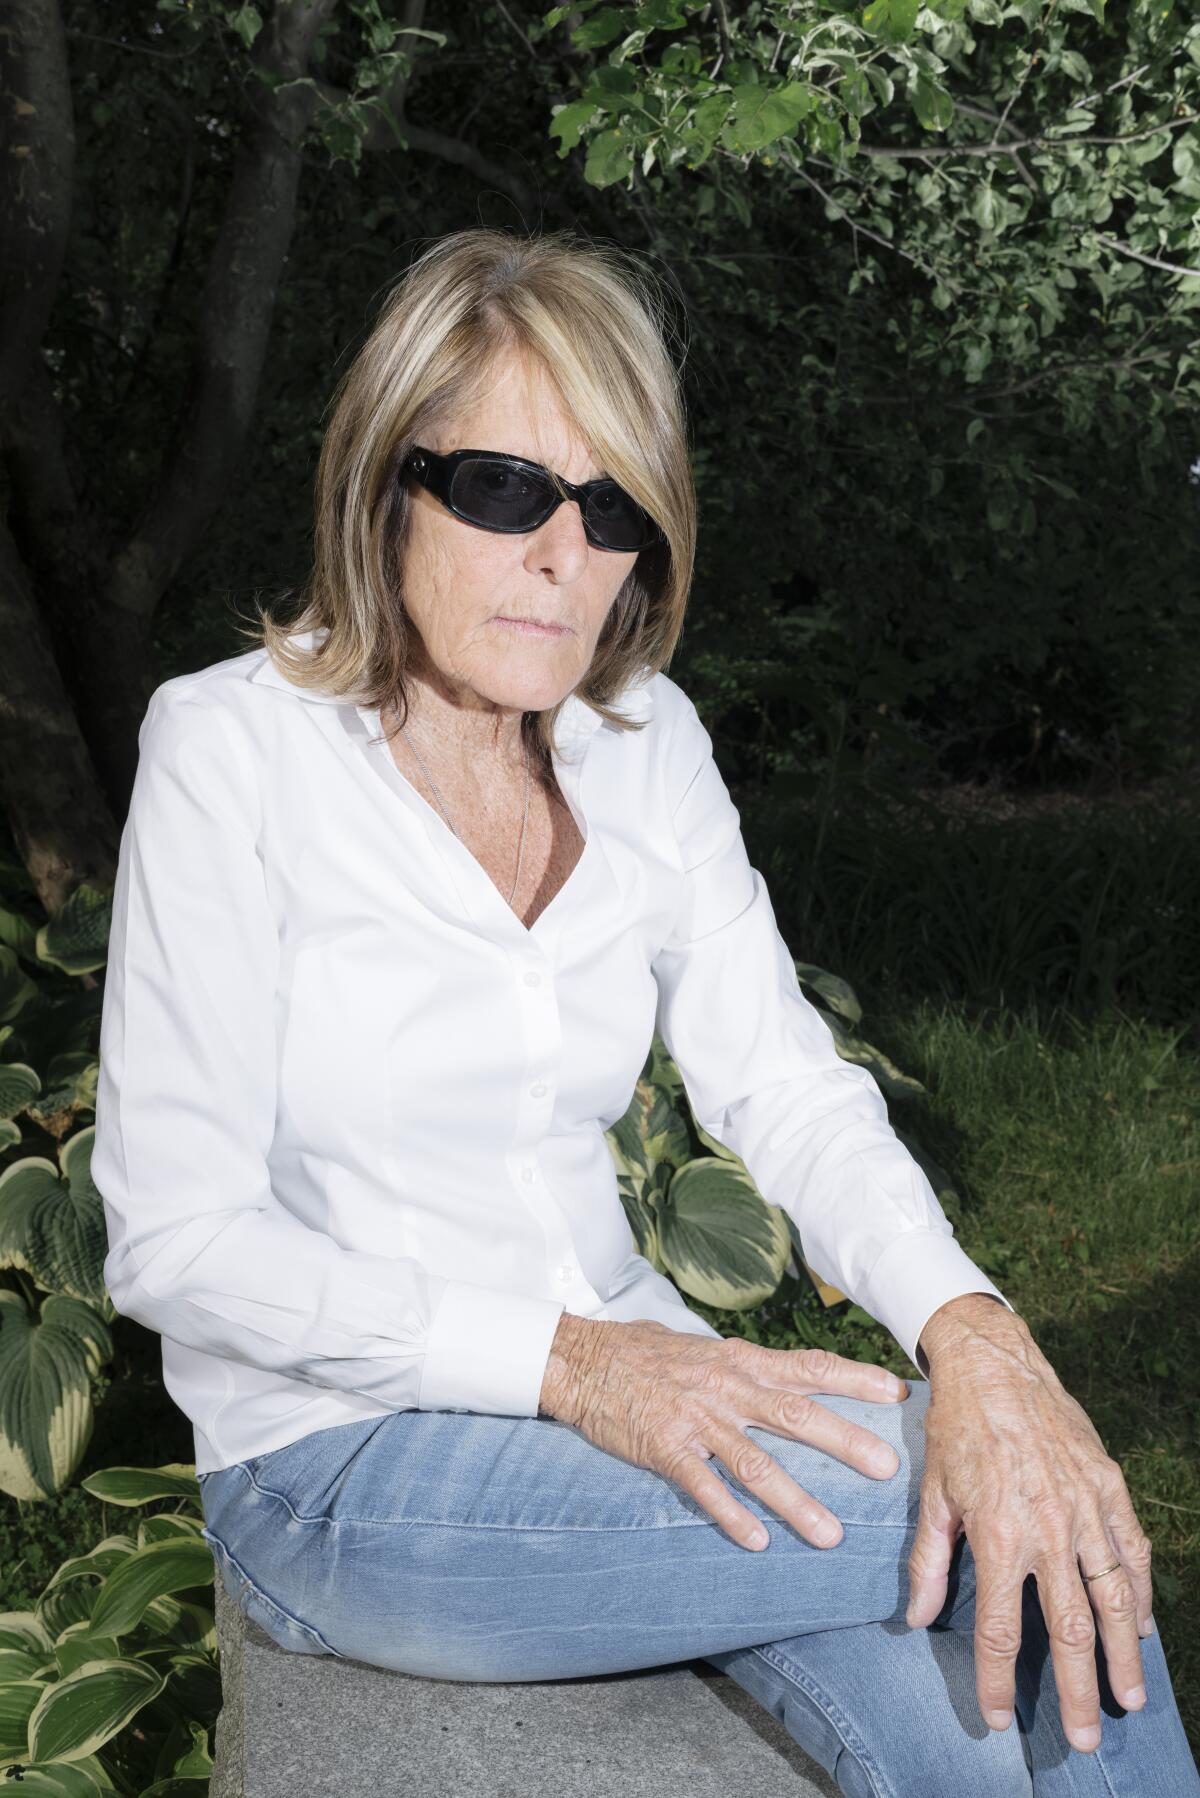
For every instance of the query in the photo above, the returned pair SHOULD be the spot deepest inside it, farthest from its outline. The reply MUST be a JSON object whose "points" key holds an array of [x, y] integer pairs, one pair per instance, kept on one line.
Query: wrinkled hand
{"points": [[1014, 1461], [670, 1400]]}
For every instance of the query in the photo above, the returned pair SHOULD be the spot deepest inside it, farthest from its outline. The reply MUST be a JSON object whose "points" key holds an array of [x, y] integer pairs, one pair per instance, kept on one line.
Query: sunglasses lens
{"points": [[490, 491], [498, 496], [616, 519]]}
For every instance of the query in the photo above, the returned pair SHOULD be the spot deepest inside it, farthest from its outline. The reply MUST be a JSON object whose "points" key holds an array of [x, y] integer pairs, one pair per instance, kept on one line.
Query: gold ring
{"points": [[1102, 1572]]}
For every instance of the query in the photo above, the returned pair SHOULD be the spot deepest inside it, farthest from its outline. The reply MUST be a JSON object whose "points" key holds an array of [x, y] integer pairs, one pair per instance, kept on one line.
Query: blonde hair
{"points": [[595, 318]]}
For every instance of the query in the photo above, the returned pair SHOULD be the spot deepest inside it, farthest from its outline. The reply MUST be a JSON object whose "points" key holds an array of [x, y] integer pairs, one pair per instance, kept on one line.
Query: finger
{"points": [[1131, 1543], [930, 1556], [761, 1474], [797, 1414], [689, 1470], [1072, 1632], [823, 1371], [997, 1634], [1114, 1602]]}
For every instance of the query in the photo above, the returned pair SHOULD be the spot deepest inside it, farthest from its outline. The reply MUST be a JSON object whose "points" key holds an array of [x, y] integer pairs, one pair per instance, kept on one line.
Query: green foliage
{"points": [[692, 1205], [1018, 548], [361, 45], [55, 1313], [1088, 118], [110, 1683], [1014, 189]]}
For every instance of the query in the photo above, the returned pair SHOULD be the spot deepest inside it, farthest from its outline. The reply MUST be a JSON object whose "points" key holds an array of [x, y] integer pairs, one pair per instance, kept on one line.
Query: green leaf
{"points": [[88, 1707], [1150, 148], [602, 27], [18, 933], [660, 15], [76, 938], [855, 94], [246, 21], [1060, 487], [48, 1359], [932, 104], [837, 993], [721, 1242], [141, 1485], [1184, 155], [52, 1220], [999, 510], [761, 114], [19, 1085], [882, 83], [609, 159], [569, 121], [160, 1568], [984, 209], [979, 354], [60, 1779], [895, 20]]}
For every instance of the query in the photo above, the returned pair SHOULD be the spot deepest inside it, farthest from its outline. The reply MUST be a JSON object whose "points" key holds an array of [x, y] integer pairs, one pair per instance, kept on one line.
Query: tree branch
{"points": [[36, 182], [935, 152], [1125, 249], [239, 298], [945, 281], [44, 497], [49, 791], [391, 125]]}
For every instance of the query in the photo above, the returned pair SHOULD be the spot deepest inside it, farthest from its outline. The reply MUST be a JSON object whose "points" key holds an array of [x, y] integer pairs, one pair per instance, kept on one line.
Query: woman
{"points": [[403, 893]]}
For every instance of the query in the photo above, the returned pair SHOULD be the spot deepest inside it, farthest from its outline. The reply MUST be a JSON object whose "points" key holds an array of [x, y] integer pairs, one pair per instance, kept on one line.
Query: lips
{"points": [[534, 624]]}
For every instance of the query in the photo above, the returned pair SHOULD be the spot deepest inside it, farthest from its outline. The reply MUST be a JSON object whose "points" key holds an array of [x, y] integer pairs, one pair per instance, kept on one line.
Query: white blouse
{"points": [[351, 1110]]}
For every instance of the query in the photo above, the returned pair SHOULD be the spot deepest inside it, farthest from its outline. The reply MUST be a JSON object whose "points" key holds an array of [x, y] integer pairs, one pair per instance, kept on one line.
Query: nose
{"points": [[560, 545]]}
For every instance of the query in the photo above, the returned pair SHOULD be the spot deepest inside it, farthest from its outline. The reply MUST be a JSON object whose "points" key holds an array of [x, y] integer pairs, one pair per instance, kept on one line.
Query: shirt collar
{"points": [[576, 718]]}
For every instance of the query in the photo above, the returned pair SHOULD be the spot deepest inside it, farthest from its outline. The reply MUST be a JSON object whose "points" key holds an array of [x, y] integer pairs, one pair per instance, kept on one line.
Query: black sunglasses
{"points": [[499, 492]]}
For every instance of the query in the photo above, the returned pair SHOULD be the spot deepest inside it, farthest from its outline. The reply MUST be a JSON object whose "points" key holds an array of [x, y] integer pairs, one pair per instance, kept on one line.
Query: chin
{"points": [[534, 689], [535, 697]]}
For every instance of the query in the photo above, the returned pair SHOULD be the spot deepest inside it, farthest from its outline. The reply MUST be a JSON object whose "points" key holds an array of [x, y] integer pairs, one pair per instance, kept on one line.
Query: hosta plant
{"points": [[695, 1212], [55, 1314], [110, 1684]]}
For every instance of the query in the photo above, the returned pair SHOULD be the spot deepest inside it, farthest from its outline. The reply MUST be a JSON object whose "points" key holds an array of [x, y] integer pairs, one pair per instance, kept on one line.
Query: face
{"points": [[466, 589]]}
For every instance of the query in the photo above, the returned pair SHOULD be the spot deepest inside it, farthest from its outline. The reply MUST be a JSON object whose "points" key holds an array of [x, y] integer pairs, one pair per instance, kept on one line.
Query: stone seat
{"points": [[307, 1726]]}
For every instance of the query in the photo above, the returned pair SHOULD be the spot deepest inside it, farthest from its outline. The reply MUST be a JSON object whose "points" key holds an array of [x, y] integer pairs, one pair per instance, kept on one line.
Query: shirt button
{"points": [[538, 1088], [566, 1272], [528, 1173], [532, 979]]}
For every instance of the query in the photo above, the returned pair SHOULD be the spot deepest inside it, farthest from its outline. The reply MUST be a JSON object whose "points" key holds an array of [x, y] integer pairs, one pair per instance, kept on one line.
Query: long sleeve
{"points": [[200, 1247], [764, 1077]]}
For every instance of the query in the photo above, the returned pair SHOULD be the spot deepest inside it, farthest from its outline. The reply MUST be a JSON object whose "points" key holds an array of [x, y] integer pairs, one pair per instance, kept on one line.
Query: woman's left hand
{"points": [[1015, 1462]]}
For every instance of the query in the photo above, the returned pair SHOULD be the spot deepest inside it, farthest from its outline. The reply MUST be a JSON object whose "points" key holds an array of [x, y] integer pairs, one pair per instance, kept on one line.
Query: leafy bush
{"points": [[111, 1684]]}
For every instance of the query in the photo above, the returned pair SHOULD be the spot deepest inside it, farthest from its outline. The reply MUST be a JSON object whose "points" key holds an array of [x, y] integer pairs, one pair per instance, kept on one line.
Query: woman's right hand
{"points": [[670, 1400]]}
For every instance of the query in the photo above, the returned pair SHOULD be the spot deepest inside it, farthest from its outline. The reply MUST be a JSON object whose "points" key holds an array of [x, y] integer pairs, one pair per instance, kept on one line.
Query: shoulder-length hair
{"points": [[595, 319]]}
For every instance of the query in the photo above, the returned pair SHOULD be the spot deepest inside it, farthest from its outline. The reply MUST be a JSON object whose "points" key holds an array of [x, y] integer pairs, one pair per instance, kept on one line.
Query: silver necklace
{"points": [[445, 813]]}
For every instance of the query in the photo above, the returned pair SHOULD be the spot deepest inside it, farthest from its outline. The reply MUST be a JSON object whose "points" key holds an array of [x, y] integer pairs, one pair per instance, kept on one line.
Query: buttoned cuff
{"points": [[915, 1275], [487, 1351]]}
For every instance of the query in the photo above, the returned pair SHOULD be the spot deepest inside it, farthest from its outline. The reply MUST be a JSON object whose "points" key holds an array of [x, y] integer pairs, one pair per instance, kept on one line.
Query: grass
{"points": [[1087, 910], [1075, 1150]]}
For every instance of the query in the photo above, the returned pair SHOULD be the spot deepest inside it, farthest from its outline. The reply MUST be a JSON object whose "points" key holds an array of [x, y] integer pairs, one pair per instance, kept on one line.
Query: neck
{"points": [[459, 726]]}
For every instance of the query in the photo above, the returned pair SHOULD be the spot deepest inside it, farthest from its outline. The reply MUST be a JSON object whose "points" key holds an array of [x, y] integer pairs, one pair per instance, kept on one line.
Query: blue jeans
{"points": [[459, 1546]]}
